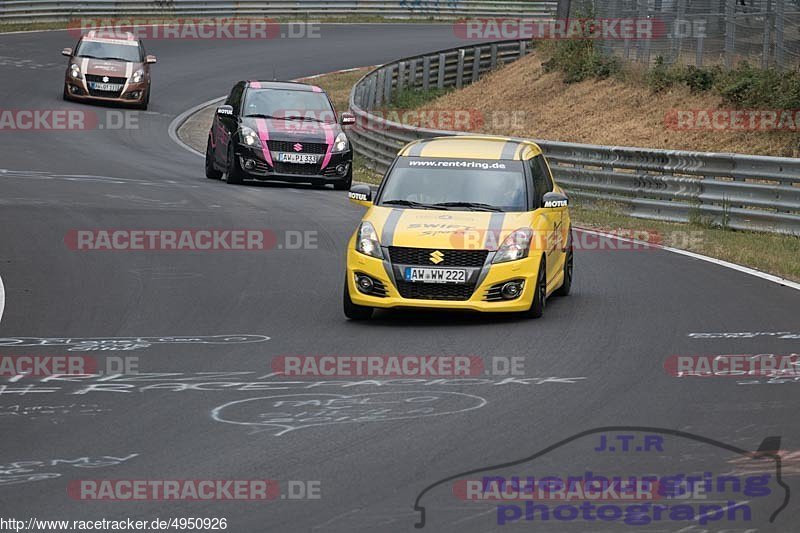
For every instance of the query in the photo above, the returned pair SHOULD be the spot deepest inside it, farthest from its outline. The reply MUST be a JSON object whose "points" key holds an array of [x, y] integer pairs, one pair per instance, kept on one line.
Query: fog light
{"points": [[364, 283], [134, 95], [341, 169], [249, 164], [511, 290]]}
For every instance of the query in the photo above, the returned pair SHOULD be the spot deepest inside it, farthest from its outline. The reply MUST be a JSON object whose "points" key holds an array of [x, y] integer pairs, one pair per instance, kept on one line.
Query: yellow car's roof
{"points": [[472, 147]]}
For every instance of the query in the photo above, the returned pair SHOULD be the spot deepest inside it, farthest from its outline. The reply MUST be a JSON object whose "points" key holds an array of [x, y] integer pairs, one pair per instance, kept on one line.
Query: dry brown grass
{"points": [[616, 111]]}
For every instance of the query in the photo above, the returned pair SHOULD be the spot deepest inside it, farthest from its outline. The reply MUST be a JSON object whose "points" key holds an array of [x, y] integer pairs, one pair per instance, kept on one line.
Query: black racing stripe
{"points": [[494, 229], [416, 150], [509, 150], [387, 235]]}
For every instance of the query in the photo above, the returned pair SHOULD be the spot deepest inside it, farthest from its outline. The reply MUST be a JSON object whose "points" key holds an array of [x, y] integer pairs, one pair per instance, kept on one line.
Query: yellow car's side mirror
{"points": [[361, 194]]}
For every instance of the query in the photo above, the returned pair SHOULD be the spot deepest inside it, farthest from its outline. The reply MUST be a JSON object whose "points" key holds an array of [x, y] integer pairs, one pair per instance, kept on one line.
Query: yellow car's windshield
{"points": [[460, 184]]}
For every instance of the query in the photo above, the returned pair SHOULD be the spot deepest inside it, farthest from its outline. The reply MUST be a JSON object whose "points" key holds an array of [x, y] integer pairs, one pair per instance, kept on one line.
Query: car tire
{"points": [[569, 266], [540, 296], [146, 102], [233, 174], [346, 183], [353, 311], [211, 171]]}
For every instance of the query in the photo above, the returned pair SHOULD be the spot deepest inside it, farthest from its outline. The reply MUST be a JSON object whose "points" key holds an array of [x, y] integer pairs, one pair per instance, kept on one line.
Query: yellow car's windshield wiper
{"points": [[469, 205], [408, 203]]}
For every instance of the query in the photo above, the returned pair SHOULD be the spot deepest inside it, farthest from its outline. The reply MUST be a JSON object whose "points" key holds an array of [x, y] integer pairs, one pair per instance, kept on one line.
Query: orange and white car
{"points": [[108, 67]]}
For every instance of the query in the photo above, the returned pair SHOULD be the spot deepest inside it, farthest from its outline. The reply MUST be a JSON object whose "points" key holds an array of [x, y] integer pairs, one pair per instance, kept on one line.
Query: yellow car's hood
{"points": [[424, 228]]}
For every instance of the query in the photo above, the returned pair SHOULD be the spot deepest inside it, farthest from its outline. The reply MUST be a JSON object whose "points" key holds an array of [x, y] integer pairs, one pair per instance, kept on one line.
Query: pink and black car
{"points": [[280, 131]]}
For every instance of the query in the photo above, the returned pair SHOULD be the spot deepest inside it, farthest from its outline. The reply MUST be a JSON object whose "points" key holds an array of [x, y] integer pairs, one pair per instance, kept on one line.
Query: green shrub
{"points": [[413, 98], [742, 87], [700, 79], [579, 60], [659, 78], [749, 87]]}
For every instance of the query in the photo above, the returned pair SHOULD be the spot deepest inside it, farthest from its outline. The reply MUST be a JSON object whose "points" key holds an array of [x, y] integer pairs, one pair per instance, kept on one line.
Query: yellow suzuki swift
{"points": [[463, 222]]}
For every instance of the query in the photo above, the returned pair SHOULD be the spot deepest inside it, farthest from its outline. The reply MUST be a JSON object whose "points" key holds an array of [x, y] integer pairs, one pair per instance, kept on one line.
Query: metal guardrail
{"points": [[18, 11], [731, 190]]}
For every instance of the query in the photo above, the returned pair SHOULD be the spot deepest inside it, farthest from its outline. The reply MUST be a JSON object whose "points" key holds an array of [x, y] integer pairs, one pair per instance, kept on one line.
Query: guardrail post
{"points": [[523, 48], [371, 93], [440, 76], [401, 74], [387, 84], [379, 89], [426, 73], [476, 63], [412, 74], [359, 95], [493, 61], [460, 69]]}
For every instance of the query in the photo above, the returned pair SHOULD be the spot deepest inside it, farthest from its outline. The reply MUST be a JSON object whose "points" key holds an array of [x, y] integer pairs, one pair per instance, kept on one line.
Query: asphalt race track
{"points": [[596, 358]]}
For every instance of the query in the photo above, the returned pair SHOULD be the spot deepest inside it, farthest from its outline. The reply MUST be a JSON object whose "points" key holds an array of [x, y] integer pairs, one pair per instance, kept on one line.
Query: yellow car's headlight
{"points": [[367, 241], [515, 246]]}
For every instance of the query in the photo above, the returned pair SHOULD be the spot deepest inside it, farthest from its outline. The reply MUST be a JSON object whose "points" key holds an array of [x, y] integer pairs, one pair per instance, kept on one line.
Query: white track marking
{"points": [[2, 298], [178, 121], [733, 266]]}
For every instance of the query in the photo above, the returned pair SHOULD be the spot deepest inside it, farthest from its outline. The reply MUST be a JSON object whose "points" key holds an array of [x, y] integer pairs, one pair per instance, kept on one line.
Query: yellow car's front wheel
{"points": [[540, 294], [351, 310]]}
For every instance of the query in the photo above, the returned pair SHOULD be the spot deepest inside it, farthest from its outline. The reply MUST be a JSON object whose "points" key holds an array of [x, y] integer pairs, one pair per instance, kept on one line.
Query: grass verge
{"points": [[775, 254]]}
